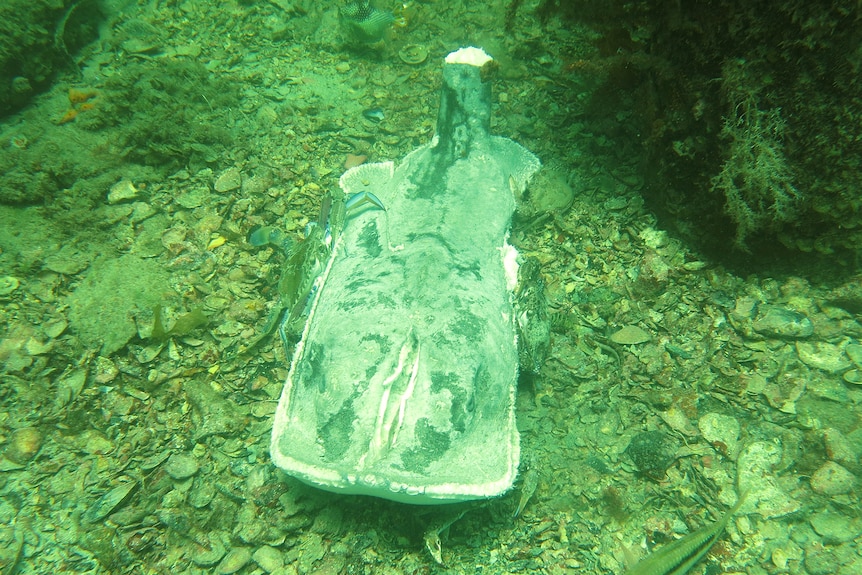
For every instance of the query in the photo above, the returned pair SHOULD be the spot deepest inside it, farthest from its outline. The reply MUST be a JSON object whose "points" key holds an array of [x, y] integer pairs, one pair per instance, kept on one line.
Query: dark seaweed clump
{"points": [[744, 117]]}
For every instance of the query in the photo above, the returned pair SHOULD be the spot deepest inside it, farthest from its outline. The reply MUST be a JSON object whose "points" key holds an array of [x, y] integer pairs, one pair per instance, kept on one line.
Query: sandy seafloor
{"points": [[124, 454]]}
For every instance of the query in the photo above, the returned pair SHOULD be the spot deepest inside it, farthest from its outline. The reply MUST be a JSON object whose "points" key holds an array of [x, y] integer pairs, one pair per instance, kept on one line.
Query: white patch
{"points": [[510, 265], [471, 56]]}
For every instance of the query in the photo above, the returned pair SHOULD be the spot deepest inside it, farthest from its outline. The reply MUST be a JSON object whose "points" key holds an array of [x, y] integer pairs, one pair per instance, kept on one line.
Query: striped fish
{"points": [[679, 557], [365, 23]]}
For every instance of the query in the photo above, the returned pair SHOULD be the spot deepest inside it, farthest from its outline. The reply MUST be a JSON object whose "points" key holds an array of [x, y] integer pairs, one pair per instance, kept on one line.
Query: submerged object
{"points": [[403, 383]]}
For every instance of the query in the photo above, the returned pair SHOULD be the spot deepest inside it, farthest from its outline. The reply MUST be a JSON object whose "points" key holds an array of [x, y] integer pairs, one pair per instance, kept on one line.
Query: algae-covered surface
{"points": [[102, 308], [135, 420]]}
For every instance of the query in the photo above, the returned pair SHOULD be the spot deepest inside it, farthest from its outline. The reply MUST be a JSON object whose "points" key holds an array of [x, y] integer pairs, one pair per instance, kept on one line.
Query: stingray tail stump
{"points": [[403, 384]]}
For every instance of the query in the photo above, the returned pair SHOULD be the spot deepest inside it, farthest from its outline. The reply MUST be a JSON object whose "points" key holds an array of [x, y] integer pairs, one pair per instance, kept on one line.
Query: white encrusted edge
{"points": [[470, 55]]}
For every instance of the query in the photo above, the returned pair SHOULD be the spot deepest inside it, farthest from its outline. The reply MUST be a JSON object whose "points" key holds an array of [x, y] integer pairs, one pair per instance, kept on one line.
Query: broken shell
{"points": [[24, 445], [70, 385], [783, 323], [122, 191], [8, 284], [832, 479], [236, 559], [268, 558], [181, 466], [110, 501], [630, 335], [105, 370], [139, 46], [55, 328], [548, 193], [146, 354], [854, 352], [229, 180], [854, 376], [821, 355], [720, 429], [153, 461], [413, 54], [201, 494], [216, 242], [209, 555]]}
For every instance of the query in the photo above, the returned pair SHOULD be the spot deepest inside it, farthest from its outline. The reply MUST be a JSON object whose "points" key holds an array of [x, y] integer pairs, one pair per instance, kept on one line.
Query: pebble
{"points": [[820, 560], [550, 192], [8, 284], [832, 479], [268, 558], [95, 443], [782, 323], [785, 554], [821, 355], [236, 559], [755, 473], [201, 494], [105, 370], [678, 420], [195, 197], [784, 397], [722, 429], [630, 335], [834, 527], [24, 445], [230, 179], [181, 466], [838, 448], [854, 352], [207, 556]]}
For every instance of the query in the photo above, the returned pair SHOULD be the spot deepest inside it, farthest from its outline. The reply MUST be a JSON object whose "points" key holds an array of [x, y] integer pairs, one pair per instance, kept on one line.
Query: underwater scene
{"points": [[355, 287]]}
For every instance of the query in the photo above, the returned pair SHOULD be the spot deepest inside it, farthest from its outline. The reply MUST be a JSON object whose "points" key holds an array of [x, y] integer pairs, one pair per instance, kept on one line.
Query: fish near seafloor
{"points": [[679, 557], [365, 23]]}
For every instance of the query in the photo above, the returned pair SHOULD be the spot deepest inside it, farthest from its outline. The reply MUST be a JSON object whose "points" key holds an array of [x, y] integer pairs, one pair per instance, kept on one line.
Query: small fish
{"points": [[325, 209], [365, 23], [374, 114], [432, 535], [679, 557], [528, 488], [361, 200], [264, 235]]}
